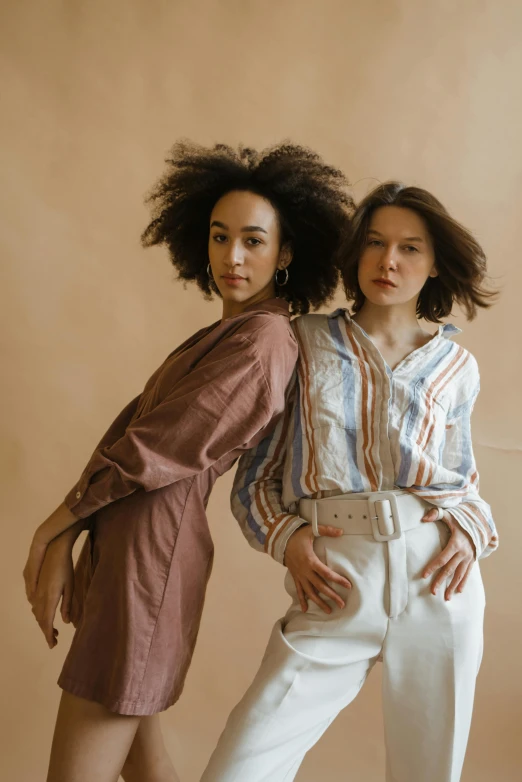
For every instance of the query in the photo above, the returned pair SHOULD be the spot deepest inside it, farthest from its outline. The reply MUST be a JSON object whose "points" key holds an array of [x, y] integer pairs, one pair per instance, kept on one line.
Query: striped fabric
{"points": [[353, 425]]}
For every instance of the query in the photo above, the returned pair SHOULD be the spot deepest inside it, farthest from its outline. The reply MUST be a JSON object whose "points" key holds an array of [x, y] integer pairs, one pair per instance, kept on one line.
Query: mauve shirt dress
{"points": [[141, 576]]}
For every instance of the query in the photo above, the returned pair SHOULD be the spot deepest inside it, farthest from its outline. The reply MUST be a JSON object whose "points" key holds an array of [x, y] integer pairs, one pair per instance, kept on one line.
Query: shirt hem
{"points": [[139, 707]]}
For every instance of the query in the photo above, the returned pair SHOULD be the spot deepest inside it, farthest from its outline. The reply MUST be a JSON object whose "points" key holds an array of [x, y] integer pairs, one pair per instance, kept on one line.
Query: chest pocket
{"points": [[331, 401], [427, 411]]}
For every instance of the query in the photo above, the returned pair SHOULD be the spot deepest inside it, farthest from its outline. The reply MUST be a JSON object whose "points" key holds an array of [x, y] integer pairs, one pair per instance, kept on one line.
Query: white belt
{"points": [[383, 514]]}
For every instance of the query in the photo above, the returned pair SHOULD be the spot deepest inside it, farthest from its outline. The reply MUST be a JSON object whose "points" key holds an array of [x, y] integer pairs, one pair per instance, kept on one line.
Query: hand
{"points": [[56, 580], [307, 570], [456, 560], [33, 566], [62, 519]]}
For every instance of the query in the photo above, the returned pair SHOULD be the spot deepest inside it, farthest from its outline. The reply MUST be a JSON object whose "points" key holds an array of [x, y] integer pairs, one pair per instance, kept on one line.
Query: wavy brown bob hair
{"points": [[459, 259], [308, 196]]}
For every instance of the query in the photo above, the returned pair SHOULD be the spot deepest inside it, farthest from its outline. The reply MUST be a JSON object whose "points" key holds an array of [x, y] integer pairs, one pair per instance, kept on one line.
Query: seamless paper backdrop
{"points": [[94, 94]]}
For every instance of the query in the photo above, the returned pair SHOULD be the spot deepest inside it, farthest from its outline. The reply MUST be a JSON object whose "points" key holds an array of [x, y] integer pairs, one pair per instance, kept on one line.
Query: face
{"points": [[398, 257], [244, 248]]}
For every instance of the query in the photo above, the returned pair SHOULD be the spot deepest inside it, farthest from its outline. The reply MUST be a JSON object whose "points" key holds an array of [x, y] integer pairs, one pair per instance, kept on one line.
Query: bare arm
{"points": [[60, 523]]}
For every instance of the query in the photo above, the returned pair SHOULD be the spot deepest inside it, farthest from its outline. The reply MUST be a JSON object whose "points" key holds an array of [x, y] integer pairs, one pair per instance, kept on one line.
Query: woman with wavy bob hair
{"points": [[368, 493], [460, 260], [260, 230]]}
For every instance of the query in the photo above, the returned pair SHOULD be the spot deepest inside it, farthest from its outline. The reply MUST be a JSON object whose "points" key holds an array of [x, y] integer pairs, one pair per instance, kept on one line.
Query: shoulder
{"points": [[270, 350], [463, 376], [311, 325], [258, 342], [460, 361], [470, 363], [465, 362], [266, 332], [469, 374]]}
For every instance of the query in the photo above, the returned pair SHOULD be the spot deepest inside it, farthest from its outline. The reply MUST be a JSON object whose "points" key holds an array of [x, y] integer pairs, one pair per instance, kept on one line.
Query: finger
{"points": [[30, 583], [65, 608], [330, 575], [315, 598], [465, 577], [445, 573], [46, 615], [41, 615], [46, 626], [48, 631], [431, 515], [455, 581], [440, 560], [33, 566], [314, 565], [301, 596], [329, 531], [323, 589]]}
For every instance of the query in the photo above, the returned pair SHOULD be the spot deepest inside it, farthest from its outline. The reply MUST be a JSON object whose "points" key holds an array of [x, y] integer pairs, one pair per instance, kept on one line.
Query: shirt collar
{"points": [[446, 330]]}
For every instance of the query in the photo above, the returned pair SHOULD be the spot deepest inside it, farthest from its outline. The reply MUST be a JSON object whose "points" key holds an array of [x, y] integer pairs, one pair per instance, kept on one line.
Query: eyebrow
{"points": [[245, 229], [406, 239]]}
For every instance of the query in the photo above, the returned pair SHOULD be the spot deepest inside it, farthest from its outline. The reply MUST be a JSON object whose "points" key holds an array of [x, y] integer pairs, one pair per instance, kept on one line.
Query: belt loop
{"points": [[315, 528]]}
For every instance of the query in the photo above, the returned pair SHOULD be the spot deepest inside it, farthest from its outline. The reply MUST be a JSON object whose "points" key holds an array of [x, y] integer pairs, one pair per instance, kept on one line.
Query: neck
{"points": [[232, 308], [393, 324]]}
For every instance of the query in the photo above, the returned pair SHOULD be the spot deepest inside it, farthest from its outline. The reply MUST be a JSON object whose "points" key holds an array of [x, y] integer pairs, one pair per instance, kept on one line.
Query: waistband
{"points": [[383, 514]]}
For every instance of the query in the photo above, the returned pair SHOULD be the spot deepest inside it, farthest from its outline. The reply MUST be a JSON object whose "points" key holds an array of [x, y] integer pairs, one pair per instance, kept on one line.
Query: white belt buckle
{"points": [[374, 519]]}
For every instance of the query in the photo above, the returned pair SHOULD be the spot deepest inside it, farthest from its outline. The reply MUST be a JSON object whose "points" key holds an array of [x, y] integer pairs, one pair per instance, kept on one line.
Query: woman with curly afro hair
{"points": [[259, 230]]}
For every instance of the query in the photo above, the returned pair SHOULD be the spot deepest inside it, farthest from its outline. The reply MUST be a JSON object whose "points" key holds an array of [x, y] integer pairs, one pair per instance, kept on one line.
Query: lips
{"points": [[232, 277], [384, 282]]}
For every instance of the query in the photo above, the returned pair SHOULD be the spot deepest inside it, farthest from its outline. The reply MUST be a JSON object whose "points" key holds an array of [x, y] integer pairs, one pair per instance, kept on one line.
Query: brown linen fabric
{"points": [[141, 577]]}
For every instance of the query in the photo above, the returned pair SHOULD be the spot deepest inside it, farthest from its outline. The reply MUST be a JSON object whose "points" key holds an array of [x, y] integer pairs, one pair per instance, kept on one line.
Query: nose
{"points": [[235, 255], [387, 260]]}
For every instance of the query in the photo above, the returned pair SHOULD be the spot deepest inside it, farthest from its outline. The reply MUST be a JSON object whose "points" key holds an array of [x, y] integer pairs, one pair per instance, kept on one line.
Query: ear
{"points": [[286, 255], [434, 272]]}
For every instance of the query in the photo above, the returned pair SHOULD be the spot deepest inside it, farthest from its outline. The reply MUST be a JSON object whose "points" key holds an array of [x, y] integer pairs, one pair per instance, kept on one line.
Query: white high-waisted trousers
{"points": [[315, 664]]}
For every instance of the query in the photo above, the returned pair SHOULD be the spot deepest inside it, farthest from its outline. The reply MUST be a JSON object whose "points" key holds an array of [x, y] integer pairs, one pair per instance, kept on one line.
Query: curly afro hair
{"points": [[308, 196]]}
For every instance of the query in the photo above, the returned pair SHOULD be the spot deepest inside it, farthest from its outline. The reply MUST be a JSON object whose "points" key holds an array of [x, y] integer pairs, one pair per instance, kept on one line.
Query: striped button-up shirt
{"points": [[354, 425]]}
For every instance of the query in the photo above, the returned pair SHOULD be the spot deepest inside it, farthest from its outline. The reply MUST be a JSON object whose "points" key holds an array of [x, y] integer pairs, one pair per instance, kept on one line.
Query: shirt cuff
{"points": [[276, 545], [76, 502], [476, 533]]}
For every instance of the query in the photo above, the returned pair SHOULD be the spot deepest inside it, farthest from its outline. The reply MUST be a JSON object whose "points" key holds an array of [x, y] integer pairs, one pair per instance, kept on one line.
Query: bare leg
{"points": [[148, 760], [90, 742]]}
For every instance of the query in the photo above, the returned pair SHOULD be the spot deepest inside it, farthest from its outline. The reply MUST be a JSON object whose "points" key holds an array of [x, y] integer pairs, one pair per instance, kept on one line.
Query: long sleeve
{"points": [[123, 419], [466, 506], [256, 498], [120, 423], [230, 396]]}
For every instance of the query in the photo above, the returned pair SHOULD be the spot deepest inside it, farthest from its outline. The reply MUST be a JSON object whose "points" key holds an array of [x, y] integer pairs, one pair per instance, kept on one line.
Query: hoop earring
{"points": [[281, 284], [209, 272]]}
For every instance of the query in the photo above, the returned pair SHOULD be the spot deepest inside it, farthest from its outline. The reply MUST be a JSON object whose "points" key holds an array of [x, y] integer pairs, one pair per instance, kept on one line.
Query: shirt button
{"points": [[78, 495]]}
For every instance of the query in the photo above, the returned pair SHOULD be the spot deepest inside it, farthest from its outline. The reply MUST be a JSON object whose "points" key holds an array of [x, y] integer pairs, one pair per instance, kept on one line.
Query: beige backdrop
{"points": [[94, 93]]}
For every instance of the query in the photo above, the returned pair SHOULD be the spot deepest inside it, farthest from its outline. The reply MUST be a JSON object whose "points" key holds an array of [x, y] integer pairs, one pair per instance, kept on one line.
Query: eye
{"points": [[411, 249], [254, 241], [219, 238], [374, 243]]}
